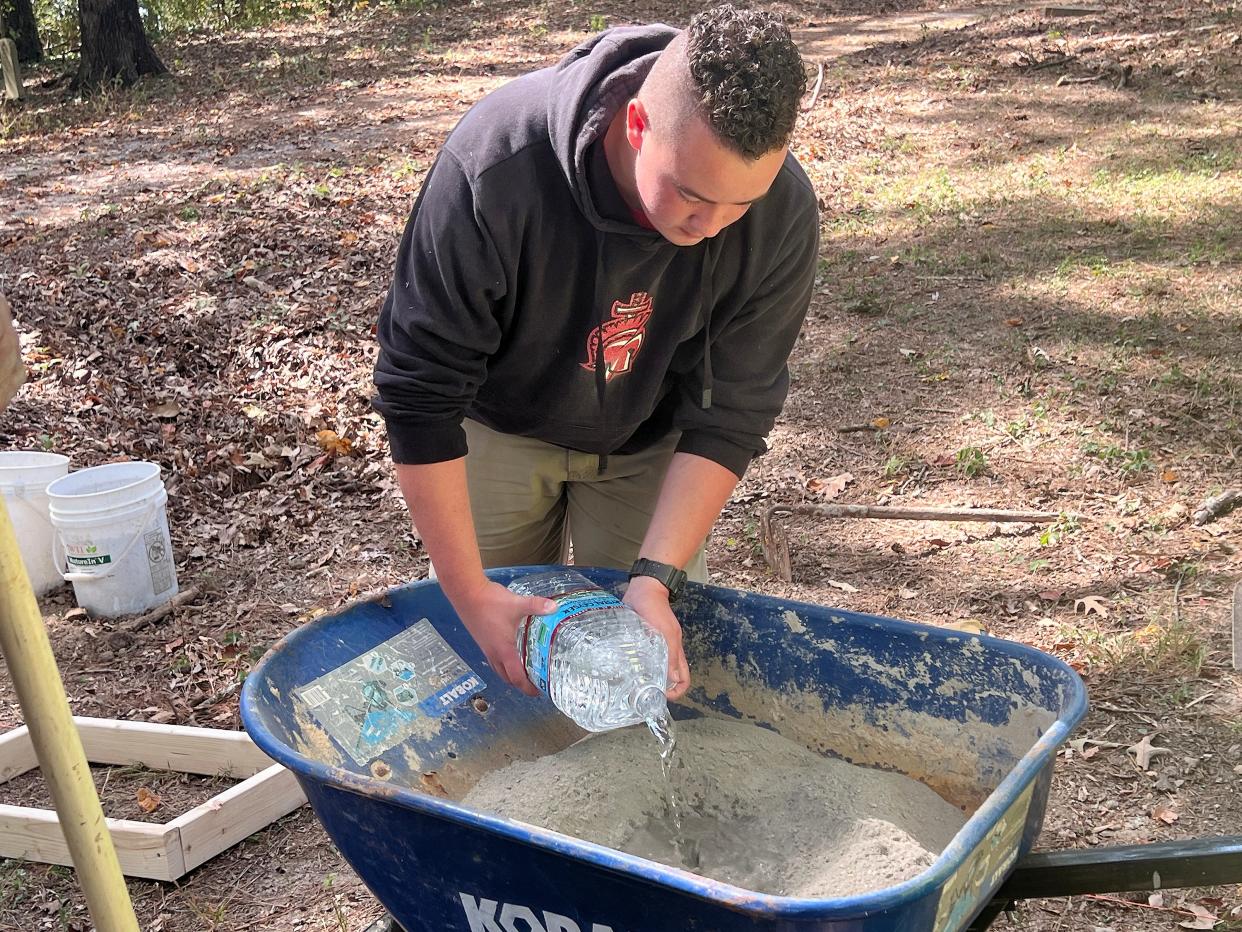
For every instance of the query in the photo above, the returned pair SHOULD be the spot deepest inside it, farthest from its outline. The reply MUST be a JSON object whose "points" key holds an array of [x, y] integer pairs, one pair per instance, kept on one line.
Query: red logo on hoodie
{"points": [[621, 335]]}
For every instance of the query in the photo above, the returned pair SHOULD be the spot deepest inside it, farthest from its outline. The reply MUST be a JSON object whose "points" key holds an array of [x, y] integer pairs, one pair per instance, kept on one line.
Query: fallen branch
{"points": [[1052, 62], [776, 546], [895, 513], [1073, 10], [1120, 72], [1213, 508], [180, 599], [208, 701]]}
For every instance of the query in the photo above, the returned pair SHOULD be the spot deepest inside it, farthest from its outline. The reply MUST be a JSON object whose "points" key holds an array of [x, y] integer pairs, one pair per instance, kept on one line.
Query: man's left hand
{"points": [[649, 598]]}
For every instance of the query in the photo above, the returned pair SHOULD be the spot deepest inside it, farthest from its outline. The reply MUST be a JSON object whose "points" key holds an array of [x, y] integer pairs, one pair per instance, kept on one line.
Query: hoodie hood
{"points": [[589, 85]]}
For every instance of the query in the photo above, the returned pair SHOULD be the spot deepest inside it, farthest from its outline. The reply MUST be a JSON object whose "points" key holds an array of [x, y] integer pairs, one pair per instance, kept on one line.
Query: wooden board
{"points": [[208, 751], [17, 754], [144, 849], [153, 850], [237, 813]]}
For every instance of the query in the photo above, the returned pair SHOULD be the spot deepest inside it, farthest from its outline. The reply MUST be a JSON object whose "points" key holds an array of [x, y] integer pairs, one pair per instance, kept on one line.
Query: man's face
{"points": [[691, 186]]}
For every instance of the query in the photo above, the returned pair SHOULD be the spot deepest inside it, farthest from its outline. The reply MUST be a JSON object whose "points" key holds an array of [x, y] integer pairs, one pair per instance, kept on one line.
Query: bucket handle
{"points": [[60, 554]]}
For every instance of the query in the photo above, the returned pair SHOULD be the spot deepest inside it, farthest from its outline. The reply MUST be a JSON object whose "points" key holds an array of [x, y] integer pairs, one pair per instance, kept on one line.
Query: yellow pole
{"points": [[28, 652]]}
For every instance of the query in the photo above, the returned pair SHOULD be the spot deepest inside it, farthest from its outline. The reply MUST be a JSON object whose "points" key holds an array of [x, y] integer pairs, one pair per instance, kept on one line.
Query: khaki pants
{"points": [[532, 500]]}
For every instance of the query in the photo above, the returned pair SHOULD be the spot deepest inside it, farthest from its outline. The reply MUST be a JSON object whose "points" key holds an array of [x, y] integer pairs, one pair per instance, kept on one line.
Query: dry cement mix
{"points": [[761, 812]]}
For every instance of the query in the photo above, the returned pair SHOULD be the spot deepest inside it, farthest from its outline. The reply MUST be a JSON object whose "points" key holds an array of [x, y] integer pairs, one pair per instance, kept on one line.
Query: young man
{"points": [[594, 302]]}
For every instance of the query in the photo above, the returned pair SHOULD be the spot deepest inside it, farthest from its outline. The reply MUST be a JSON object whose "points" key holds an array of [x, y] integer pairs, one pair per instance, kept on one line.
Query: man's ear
{"points": [[637, 126]]}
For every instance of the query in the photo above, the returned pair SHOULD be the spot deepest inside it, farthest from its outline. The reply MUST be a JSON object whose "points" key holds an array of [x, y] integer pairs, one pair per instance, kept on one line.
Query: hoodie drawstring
{"points": [[706, 296], [601, 367]]}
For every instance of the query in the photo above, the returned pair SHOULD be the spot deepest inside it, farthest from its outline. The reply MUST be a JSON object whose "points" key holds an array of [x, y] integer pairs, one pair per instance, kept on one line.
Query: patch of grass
{"points": [[16, 883], [1174, 649], [211, 915], [597, 23], [865, 302], [1130, 462], [1206, 252], [928, 195], [1097, 265]]}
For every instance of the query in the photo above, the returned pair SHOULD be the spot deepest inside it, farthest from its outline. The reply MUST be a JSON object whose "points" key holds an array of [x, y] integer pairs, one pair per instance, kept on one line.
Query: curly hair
{"points": [[748, 77]]}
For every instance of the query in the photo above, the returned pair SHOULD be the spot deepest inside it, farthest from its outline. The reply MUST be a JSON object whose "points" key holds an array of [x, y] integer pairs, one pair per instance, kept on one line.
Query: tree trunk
{"points": [[23, 29], [114, 44]]}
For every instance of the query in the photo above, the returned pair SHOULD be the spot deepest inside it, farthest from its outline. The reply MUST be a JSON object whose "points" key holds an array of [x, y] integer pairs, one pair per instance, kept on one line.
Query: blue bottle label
{"points": [[541, 629]]}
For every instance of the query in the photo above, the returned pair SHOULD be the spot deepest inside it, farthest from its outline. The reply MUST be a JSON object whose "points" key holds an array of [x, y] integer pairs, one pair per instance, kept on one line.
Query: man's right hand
{"points": [[491, 613]]}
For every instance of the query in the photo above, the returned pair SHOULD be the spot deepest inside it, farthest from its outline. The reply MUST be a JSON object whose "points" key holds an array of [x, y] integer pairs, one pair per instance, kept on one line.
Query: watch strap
{"points": [[673, 579]]}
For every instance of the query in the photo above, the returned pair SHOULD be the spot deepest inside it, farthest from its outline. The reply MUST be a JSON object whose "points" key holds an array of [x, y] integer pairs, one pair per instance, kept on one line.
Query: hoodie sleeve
{"points": [[749, 359], [438, 325]]}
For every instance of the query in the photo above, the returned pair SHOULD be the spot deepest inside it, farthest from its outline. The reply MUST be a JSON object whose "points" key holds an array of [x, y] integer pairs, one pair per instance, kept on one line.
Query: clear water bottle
{"points": [[595, 657]]}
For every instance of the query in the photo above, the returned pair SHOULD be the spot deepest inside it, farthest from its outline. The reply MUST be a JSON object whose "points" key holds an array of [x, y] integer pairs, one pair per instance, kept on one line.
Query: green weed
{"points": [[895, 466], [971, 462], [1130, 462], [1066, 525]]}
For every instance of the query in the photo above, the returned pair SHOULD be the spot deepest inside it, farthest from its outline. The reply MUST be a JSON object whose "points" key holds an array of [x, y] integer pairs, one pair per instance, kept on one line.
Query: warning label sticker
{"points": [[373, 702]]}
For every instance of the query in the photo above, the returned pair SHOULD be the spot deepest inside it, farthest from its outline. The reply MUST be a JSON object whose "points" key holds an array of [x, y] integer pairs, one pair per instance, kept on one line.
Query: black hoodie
{"points": [[527, 297]]}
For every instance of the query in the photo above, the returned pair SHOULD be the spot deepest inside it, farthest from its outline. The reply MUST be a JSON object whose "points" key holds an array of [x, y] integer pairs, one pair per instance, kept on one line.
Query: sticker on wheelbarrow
{"points": [[984, 868], [379, 698]]}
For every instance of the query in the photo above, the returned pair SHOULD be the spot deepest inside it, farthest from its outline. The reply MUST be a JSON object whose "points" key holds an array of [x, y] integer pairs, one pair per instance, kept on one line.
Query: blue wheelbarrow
{"points": [[388, 714]]}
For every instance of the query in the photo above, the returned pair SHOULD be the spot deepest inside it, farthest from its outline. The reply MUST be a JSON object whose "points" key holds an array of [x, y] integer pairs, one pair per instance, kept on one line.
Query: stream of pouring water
{"points": [[662, 728]]}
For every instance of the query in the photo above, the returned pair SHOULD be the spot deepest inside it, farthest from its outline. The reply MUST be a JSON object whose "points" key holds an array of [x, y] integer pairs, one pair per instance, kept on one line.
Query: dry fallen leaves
{"points": [[1144, 751], [1204, 918], [843, 586], [1092, 603], [147, 800], [1163, 812], [331, 442], [828, 488]]}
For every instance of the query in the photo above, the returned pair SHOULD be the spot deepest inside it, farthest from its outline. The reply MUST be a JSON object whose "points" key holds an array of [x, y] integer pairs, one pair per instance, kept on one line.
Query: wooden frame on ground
{"points": [[156, 851]]}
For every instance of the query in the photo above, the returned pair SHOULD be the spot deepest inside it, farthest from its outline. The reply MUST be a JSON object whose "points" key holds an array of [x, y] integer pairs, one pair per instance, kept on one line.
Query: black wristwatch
{"points": [[674, 580]]}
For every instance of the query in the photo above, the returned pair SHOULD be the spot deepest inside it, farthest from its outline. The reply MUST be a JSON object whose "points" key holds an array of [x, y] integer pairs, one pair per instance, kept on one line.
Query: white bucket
{"points": [[24, 475], [111, 537]]}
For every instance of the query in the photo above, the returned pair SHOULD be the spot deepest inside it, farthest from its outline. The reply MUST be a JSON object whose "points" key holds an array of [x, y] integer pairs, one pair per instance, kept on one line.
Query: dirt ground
{"points": [[1029, 292]]}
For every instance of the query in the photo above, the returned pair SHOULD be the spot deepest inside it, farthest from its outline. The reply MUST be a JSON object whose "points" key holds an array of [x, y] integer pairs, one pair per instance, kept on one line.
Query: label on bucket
{"points": [[159, 560], [86, 555], [399, 688]]}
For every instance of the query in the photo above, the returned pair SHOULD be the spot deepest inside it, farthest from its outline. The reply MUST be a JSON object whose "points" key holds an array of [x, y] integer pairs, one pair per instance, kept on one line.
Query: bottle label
{"points": [[541, 629]]}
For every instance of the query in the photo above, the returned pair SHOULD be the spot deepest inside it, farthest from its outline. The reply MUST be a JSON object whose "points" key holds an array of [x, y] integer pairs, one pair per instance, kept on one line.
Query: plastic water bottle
{"points": [[595, 657]]}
